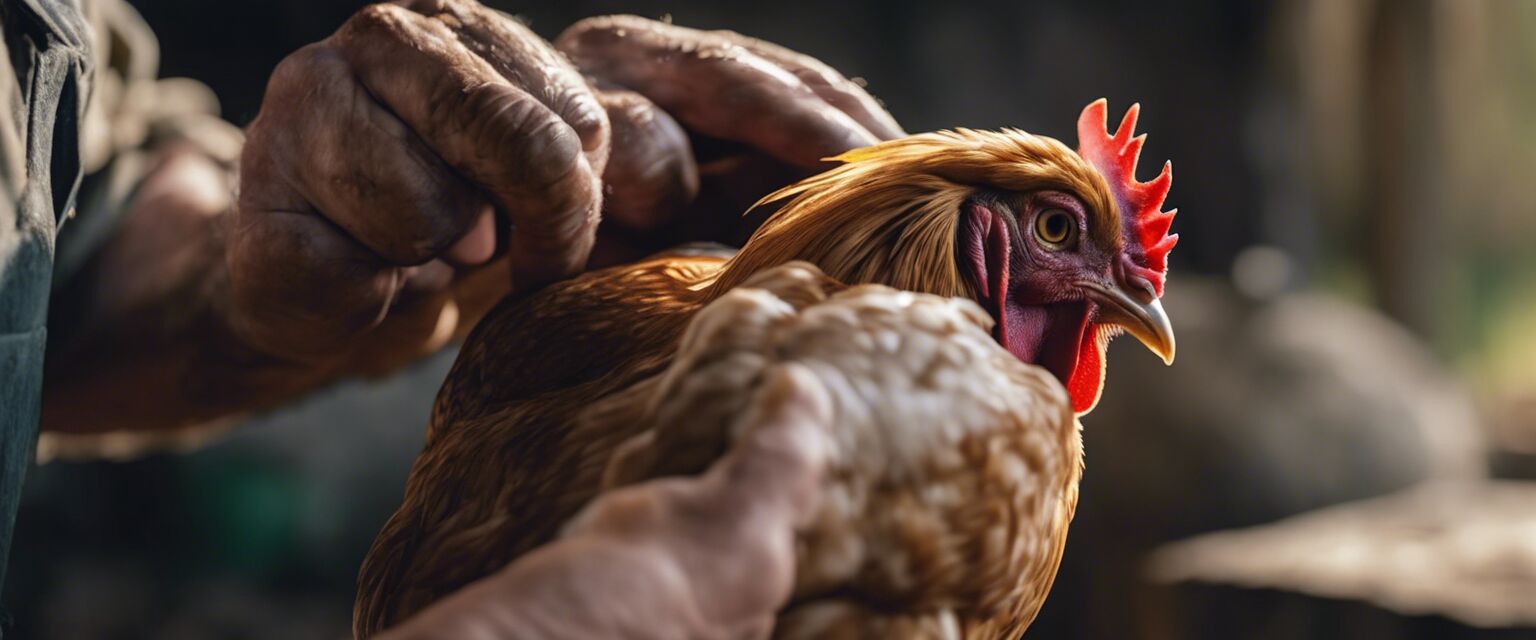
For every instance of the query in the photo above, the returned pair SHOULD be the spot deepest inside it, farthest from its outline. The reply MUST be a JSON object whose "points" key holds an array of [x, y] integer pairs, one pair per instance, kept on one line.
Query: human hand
{"points": [[710, 556], [714, 120], [382, 162], [408, 172], [433, 155]]}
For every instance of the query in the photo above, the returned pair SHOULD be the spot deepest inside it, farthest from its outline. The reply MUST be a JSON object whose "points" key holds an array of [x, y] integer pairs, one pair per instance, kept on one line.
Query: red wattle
{"points": [[1058, 337], [1087, 379]]}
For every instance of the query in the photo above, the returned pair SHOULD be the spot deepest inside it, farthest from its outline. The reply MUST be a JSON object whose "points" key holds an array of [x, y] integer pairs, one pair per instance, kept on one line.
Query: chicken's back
{"points": [[498, 427]]}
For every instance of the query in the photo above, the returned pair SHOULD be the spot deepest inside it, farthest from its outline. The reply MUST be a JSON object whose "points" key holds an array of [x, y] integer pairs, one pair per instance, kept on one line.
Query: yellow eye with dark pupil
{"points": [[1055, 227]]}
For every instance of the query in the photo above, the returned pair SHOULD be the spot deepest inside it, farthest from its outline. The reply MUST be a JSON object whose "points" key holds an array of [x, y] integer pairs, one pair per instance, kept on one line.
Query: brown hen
{"points": [[947, 514]]}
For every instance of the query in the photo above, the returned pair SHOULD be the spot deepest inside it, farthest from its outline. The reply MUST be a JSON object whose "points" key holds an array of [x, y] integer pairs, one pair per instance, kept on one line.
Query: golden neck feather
{"points": [[889, 213]]}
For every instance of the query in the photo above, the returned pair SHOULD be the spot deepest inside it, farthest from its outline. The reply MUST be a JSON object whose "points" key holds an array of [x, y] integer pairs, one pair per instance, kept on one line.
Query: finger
{"points": [[651, 173], [715, 87], [356, 164], [756, 628], [330, 286], [776, 464], [847, 95], [525, 157], [527, 61]]}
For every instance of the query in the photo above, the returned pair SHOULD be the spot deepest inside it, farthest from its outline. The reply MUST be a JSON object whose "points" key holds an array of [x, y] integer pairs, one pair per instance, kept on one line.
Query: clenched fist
{"points": [[433, 155]]}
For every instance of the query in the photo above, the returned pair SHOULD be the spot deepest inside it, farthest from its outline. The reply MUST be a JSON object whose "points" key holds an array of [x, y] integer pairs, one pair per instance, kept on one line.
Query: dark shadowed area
{"points": [[1354, 292]]}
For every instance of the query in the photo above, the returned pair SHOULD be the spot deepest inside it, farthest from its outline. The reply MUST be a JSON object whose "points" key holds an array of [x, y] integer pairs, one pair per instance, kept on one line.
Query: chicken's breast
{"points": [[954, 468]]}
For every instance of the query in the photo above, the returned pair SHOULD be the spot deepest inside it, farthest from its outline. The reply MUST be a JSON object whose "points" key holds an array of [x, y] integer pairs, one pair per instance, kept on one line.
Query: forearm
{"points": [[141, 340]]}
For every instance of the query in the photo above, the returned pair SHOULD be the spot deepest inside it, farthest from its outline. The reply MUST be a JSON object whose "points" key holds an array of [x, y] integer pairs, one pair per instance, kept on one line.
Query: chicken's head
{"points": [[1065, 249]]}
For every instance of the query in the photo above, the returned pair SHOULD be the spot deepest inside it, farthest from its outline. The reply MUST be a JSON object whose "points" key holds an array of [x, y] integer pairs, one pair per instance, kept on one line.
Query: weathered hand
{"points": [[377, 161], [408, 172], [396, 164], [711, 121], [704, 557]]}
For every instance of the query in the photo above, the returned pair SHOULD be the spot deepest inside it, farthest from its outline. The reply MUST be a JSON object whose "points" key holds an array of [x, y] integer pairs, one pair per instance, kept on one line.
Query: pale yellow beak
{"points": [[1145, 320]]}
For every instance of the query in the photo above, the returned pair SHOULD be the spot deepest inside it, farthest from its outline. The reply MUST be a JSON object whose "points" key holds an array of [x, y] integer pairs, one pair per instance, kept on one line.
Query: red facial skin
{"points": [[1029, 286]]}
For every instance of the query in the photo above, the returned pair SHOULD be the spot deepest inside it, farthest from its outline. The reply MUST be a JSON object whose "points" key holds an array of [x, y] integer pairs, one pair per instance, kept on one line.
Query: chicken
{"points": [[1060, 250], [954, 466]]}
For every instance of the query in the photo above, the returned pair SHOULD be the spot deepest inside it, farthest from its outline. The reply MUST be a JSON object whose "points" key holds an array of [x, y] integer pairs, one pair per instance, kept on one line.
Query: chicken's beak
{"points": [[1144, 319]]}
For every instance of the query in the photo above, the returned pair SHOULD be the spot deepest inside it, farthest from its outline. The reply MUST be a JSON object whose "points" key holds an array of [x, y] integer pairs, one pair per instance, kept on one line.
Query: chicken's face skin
{"points": [[1049, 272]]}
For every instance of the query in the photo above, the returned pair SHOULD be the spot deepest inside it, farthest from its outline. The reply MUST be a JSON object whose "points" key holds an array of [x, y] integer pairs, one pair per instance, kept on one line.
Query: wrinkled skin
{"points": [[710, 556], [424, 161], [404, 174], [390, 145]]}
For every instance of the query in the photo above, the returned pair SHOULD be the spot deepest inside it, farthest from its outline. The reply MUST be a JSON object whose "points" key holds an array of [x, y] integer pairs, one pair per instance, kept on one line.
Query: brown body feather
{"points": [[946, 512], [497, 450], [509, 456]]}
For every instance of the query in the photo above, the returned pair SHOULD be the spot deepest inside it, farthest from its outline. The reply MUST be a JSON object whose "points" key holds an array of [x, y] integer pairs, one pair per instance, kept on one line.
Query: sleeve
{"points": [[44, 83], [21, 333], [132, 115]]}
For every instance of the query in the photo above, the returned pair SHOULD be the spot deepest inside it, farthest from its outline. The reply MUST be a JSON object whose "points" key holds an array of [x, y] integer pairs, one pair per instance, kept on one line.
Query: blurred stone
{"points": [[1262, 272], [1200, 611], [1465, 551], [1514, 425]]}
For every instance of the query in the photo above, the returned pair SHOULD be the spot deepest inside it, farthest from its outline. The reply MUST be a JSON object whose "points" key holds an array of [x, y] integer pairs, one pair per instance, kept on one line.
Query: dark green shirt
{"points": [[44, 83]]}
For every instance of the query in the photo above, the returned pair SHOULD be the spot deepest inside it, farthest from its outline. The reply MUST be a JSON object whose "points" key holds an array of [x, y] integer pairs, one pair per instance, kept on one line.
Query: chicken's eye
{"points": [[1056, 228]]}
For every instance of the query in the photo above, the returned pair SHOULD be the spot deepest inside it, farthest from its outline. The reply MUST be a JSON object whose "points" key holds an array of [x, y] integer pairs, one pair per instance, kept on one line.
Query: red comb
{"points": [[1141, 203]]}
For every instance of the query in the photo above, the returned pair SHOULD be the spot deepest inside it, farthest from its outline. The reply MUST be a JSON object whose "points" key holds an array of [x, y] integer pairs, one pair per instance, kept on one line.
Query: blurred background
{"points": [[1355, 294]]}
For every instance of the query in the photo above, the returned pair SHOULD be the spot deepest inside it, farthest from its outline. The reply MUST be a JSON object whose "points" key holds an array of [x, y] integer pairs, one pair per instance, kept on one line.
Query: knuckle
{"points": [[589, 26], [427, 7], [602, 30], [622, 21], [296, 74], [545, 149], [483, 109], [586, 116], [380, 14], [552, 151], [294, 98], [728, 35], [376, 21]]}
